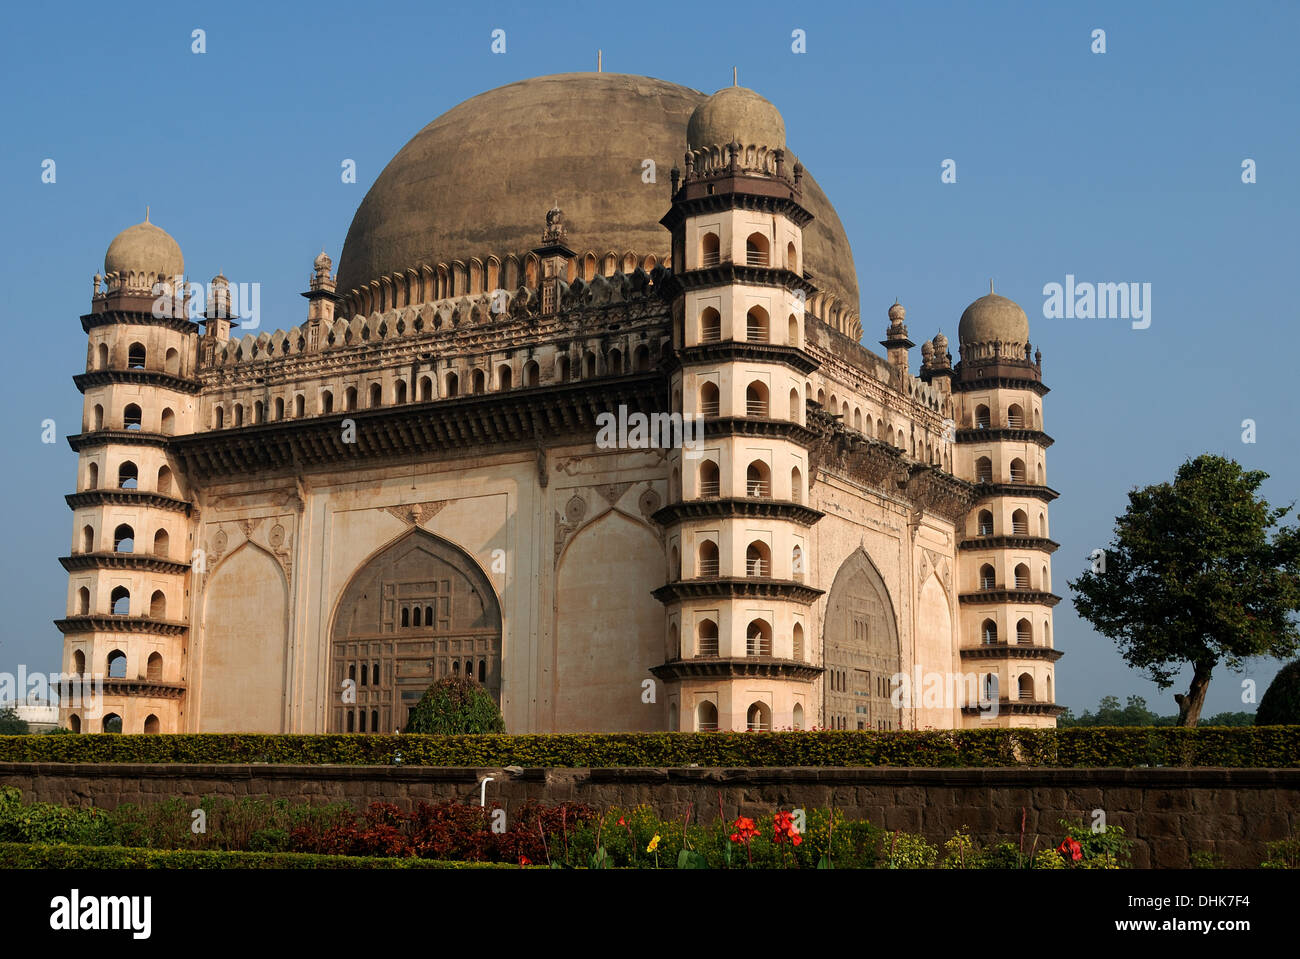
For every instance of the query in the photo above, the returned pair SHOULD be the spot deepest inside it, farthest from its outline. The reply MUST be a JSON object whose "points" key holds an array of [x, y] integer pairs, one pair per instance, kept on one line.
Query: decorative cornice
{"points": [[998, 383], [732, 274], [1017, 708], [1010, 542], [756, 426], [712, 667], [731, 351], [763, 194], [127, 497], [97, 623], [143, 689], [736, 587], [153, 564], [733, 508], [84, 441], [136, 318], [1004, 434], [166, 381], [994, 597], [1011, 651], [985, 491]]}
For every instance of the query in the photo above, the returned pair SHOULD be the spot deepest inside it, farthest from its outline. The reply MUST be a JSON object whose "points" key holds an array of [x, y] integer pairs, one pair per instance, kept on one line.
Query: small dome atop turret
{"points": [[144, 248], [735, 113], [993, 319], [323, 261]]}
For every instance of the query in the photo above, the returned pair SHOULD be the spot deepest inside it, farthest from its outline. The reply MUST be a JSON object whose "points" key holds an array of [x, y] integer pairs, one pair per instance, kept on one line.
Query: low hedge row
{"points": [[1244, 746], [15, 855]]}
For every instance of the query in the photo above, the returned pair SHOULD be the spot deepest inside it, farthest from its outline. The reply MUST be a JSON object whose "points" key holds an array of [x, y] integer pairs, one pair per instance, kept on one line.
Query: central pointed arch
{"points": [[862, 648], [418, 609]]}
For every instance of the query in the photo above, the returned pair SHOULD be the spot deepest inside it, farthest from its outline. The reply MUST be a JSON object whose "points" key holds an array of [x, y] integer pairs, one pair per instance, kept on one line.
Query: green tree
{"points": [[455, 707], [10, 724], [1193, 577], [1280, 704]]}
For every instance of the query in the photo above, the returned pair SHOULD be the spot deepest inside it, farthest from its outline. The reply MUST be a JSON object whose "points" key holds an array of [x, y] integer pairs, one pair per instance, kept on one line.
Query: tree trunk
{"points": [[1189, 706]]}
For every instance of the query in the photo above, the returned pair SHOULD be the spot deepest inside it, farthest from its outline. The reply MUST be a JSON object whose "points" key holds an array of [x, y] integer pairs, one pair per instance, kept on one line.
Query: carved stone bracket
{"points": [[417, 514]]}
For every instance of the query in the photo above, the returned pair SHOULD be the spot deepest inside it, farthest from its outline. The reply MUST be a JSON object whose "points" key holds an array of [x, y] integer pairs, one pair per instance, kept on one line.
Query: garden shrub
{"points": [[456, 707], [1280, 704]]}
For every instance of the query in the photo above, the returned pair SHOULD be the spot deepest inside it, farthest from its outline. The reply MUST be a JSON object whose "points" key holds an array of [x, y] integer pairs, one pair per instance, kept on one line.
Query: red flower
{"points": [[621, 821], [783, 828], [745, 830], [525, 861], [1070, 849]]}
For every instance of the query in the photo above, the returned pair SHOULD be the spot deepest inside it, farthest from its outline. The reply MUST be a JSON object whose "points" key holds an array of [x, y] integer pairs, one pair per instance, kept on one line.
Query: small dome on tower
{"points": [[323, 261], [144, 248], [927, 349], [940, 343], [993, 319], [896, 312], [735, 113]]}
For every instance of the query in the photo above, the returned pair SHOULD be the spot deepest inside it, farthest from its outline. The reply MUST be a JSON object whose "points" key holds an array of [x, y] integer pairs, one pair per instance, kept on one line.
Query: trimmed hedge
{"points": [[1242, 746], [15, 855]]}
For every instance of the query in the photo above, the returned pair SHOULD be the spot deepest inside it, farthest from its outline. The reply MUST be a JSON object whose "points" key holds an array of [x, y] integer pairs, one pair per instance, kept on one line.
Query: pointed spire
{"points": [[598, 60], [146, 213], [990, 286], [735, 77]]}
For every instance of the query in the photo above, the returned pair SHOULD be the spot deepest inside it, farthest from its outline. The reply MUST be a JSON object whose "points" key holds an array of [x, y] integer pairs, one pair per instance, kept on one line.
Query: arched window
{"points": [[708, 559], [857, 420], [985, 523], [796, 485], [279, 407], [128, 477], [706, 643], [327, 401], [795, 406], [349, 399], [1020, 523], [300, 405], [1015, 417], [990, 687], [796, 716], [239, 415], [797, 643], [154, 668], [706, 717], [399, 396], [756, 399], [151, 725], [112, 723], [589, 365], [161, 543], [102, 355], [1024, 633], [614, 363], [352, 721], [74, 723], [989, 632], [709, 399], [791, 258], [168, 421], [758, 560], [759, 718], [478, 381], [984, 470], [1018, 474], [124, 539], [673, 720], [1026, 687], [131, 417], [796, 563], [792, 331], [505, 378], [756, 250], [87, 539], [79, 663], [710, 482], [563, 369], [821, 398], [97, 418], [1022, 576], [758, 480], [710, 254], [756, 325], [532, 373], [83, 602], [135, 356], [92, 476], [981, 417], [988, 579], [426, 389], [406, 616], [415, 621], [674, 564], [120, 601], [641, 359], [172, 362], [758, 638], [158, 605]]}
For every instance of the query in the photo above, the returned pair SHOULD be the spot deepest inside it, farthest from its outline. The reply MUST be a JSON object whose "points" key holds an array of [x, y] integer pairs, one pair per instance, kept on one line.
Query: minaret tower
{"points": [[128, 569], [1005, 567], [739, 644]]}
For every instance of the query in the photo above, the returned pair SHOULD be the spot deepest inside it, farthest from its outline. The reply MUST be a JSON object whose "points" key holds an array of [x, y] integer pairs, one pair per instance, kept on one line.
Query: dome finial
{"points": [[990, 286], [146, 213], [735, 77], [598, 60]]}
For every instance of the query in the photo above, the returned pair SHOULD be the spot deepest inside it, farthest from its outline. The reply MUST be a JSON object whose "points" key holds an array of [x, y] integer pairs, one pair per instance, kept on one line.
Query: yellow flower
{"points": [[654, 844]]}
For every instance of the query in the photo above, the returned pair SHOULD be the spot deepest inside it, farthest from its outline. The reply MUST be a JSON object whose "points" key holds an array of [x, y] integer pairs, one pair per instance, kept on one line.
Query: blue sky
{"points": [[1115, 167]]}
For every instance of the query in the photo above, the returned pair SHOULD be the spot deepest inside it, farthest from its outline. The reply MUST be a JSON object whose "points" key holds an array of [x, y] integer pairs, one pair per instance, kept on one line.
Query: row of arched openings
{"points": [[120, 602], [113, 724], [128, 477], [1024, 633], [124, 540], [137, 358]]}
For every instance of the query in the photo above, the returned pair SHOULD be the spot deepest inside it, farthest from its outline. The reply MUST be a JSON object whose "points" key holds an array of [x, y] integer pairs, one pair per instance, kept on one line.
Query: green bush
{"points": [[46, 822], [1280, 704], [1249, 746], [1282, 854], [456, 707], [10, 724], [42, 856]]}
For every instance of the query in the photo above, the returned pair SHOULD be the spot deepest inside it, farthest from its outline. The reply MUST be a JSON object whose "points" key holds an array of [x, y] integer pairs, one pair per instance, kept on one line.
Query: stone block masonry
{"points": [[1170, 813]]}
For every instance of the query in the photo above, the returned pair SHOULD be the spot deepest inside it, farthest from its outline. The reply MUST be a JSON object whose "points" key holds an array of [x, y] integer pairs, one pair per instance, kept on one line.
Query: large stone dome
{"points": [[479, 179], [993, 319], [144, 248]]}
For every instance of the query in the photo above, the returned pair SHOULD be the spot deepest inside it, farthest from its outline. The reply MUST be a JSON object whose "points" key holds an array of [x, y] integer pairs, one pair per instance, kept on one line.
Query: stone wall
{"points": [[1169, 812]]}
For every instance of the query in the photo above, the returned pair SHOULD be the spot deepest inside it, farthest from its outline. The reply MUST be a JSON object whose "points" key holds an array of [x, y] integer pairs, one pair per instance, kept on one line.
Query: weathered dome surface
{"points": [[993, 319], [735, 113], [479, 179], [144, 248]]}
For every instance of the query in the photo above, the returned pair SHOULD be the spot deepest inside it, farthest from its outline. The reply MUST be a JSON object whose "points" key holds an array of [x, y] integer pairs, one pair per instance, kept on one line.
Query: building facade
{"points": [[298, 530]]}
